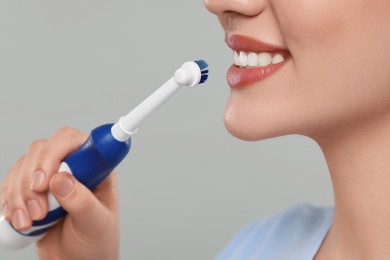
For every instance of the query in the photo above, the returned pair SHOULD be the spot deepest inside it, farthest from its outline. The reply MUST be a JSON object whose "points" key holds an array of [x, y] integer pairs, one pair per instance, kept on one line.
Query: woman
{"points": [[334, 86], [316, 68]]}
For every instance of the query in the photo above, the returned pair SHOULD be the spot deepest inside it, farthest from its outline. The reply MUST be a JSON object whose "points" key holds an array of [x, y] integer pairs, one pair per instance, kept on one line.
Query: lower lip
{"points": [[242, 77]]}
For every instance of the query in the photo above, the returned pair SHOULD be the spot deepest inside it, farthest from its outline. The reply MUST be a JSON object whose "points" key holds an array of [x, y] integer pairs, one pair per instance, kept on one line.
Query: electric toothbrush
{"points": [[105, 148]]}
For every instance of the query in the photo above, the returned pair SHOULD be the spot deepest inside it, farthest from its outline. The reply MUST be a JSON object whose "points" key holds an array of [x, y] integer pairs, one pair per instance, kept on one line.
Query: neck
{"points": [[358, 160]]}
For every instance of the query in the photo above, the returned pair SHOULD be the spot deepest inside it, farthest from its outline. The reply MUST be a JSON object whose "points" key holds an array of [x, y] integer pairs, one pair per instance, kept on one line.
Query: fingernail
{"points": [[34, 209], [19, 219], [38, 179], [63, 186]]}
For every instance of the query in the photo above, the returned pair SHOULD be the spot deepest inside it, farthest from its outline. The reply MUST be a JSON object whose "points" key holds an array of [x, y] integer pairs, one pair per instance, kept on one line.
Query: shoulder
{"points": [[294, 231], [303, 219]]}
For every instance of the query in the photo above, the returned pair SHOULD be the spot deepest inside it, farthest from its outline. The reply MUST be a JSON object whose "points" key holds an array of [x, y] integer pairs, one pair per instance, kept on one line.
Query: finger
{"points": [[33, 151], [16, 211], [25, 205], [84, 209], [65, 141], [36, 202], [6, 197]]}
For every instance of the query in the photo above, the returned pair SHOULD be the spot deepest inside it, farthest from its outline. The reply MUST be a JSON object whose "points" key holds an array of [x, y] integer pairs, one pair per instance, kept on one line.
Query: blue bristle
{"points": [[202, 64], [203, 78]]}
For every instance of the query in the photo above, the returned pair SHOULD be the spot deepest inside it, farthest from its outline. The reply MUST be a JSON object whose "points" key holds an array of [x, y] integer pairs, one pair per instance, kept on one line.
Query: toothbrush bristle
{"points": [[203, 78], [203, 66]]}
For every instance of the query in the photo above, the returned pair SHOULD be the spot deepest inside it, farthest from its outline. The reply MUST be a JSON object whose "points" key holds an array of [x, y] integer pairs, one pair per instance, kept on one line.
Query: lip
{"points": [[241, 77]]}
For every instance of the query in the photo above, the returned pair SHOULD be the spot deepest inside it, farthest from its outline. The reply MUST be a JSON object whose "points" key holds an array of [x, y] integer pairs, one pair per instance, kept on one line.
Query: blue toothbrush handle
{"points": [[90, 164]]}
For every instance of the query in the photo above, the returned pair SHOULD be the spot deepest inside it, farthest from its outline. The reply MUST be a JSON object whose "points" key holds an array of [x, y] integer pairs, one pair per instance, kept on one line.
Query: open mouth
{"points": [[253, 60]]}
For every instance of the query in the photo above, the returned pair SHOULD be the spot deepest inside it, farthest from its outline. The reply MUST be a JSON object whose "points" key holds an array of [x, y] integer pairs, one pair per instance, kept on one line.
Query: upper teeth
{"points": [[253, 59]]}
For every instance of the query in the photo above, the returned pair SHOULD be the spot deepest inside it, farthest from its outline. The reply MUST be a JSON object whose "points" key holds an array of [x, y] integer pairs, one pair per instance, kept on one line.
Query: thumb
{"points": [[86, 212]]}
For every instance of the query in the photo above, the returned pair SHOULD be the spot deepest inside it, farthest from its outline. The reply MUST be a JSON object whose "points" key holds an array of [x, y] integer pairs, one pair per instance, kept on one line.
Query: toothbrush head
{"points": [[204, 69], [192, 73]]}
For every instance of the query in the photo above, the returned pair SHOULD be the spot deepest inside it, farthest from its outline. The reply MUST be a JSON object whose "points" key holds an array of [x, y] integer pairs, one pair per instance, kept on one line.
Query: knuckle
{"points": [[46, 159], [66, 132], [71, 134], [20, 160], [36, 146], [10, 171]]}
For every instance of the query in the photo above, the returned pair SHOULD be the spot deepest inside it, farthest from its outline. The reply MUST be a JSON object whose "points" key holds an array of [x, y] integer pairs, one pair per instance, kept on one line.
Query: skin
{"points": [[335, 90]]}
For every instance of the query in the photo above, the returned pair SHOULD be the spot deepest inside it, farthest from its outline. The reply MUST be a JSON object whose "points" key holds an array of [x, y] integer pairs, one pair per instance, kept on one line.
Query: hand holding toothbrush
{"points": [[80, 234], [32, 215]]}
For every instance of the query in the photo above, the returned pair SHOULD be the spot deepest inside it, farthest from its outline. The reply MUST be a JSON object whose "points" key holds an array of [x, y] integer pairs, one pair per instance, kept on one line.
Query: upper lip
{"points": [[248, 44]]}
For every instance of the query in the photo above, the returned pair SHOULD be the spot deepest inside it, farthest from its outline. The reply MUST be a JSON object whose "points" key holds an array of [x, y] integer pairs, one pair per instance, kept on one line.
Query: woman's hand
{"points": [[91, 228]]}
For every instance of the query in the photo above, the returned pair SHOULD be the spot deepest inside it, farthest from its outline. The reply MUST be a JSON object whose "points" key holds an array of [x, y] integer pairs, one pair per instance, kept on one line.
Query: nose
{"points": [[244, 7]]}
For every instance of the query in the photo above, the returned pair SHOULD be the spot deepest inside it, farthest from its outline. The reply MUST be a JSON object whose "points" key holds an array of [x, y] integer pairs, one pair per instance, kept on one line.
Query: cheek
{"points": [[341, 55], [308, 23]]}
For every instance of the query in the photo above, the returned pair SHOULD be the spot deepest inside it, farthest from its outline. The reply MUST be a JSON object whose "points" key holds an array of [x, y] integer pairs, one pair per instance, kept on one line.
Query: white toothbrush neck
{"points": [[189, 74], [127, 125]]}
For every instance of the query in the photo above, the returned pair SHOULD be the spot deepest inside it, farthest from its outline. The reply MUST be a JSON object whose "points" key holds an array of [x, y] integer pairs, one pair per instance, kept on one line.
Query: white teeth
{"points": [[277, 59], [236, 60], [265, 59], [242, 59], [252, 59]]}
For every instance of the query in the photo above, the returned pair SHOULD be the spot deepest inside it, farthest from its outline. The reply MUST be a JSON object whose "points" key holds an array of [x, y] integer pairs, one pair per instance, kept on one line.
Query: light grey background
{"points": [[187, 186]]}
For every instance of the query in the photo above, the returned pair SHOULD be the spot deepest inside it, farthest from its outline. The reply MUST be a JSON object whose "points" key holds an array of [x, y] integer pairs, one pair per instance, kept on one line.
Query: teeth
{"points": [[265, 59], [253, 59], [277, 59], [242, 59], [236, 60]]}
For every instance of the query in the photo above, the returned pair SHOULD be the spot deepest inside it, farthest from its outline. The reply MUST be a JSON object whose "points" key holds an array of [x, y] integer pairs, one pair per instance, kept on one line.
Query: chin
{"points": [[239, 133], [248, 129], [246, 122]]}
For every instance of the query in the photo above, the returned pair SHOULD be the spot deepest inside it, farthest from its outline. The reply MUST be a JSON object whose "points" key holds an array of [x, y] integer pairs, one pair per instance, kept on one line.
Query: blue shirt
{"points": [[294, 234]]}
